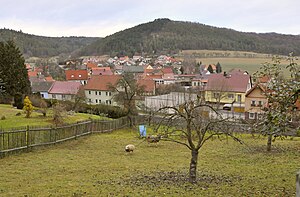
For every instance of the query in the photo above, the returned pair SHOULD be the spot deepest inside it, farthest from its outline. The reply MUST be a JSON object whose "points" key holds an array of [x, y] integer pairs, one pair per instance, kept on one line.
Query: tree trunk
{"points": [[193, 167], [269, 143]]}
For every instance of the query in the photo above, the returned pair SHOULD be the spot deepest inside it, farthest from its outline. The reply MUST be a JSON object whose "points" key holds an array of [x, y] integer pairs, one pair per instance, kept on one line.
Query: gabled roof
{"points": [[229, 83], [91, 65], [102, 71], [149, 85], [76, 75], [259, 86], [133, 69], [65, 87], [167, 70], [101, 82], [49, 78], [41, 86], [32, 73]]}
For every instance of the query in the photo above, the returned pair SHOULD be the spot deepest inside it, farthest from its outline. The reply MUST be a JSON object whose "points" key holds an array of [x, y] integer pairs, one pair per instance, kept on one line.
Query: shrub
{"points": [[3, 117], [18, 114]]}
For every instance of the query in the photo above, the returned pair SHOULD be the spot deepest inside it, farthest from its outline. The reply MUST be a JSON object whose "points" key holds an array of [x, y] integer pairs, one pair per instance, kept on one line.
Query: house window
{"points": [[63, 96], [216, 95], [89, 92], [96, 100], [252, 116], [99, 93], [259, 116], [253, 103], [90, 100], [230, 96], [106, 93], [260, 103], [96, 92], [109, 93], [54, 96], [99, 101], [239, 99], [108, 102]]}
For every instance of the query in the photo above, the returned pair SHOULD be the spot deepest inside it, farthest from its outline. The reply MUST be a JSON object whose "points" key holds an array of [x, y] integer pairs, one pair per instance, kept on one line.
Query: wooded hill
{"points": [[40, 46], [164, 35], [158, 36]]}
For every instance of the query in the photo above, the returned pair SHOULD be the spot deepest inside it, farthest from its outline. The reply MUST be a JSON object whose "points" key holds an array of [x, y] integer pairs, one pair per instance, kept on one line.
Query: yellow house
{"points": [[255, 102], [228, 88]]}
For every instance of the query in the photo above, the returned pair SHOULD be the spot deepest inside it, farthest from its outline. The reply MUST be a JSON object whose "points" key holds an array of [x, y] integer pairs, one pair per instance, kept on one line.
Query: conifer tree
{"points": [[28, 108], [13, 71]]}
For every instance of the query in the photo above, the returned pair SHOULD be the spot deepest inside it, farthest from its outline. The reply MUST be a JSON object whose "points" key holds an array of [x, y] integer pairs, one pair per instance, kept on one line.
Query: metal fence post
{"points": [[298, 184]]}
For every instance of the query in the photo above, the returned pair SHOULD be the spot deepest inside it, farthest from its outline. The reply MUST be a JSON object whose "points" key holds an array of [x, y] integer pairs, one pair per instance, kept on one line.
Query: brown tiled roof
{"points": [[65, 87], [149, 85], [101, 82], [76, 75], [229, 83], [167, 70]]}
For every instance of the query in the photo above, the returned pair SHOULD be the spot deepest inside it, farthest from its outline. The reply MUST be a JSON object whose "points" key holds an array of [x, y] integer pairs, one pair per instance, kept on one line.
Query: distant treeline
{"points": [[40, 46]]}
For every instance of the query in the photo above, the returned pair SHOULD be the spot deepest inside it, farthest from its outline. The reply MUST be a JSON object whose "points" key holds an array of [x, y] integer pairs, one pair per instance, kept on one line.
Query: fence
{"points": [[29, 137]]}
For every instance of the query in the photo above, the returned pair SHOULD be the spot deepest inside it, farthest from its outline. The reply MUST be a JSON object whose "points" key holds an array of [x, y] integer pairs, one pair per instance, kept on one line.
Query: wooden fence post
{"points": [[298, 184], [27, 137]]}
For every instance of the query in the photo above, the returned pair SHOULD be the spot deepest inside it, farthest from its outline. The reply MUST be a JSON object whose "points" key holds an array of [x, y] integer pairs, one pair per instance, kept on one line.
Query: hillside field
{"points": [[97, 165], [36, 119], [248, 61]]}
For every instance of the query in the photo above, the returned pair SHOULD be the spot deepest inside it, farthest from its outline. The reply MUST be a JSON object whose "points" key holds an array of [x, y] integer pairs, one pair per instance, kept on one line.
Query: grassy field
{"points": [[248, 61], [36, 119], [98, 166]]}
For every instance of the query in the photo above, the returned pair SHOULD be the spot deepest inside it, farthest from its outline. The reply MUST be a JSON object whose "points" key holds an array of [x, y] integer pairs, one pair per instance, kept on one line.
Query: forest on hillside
{"points": [[40, 46], [164, 35]]}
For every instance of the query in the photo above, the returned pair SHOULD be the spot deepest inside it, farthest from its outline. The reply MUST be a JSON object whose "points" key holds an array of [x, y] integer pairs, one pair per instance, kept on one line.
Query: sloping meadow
{"points": [[97, 165]]}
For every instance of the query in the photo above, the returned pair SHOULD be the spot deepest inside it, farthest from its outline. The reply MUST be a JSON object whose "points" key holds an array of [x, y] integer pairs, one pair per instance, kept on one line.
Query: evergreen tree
{"points": [[218, 68], [13, 70], [210, 69]]}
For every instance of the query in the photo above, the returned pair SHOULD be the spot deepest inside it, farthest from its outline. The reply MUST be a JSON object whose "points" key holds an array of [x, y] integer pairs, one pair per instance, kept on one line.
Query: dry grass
{"points": [[98, 166]]}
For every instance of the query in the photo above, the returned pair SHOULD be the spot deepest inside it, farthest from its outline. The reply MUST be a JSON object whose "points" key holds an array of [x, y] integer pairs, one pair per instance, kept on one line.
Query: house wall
{"points": [[96, 97], [225, 97], [256, 95], [172, 99], [44, 95], [62, 97]]}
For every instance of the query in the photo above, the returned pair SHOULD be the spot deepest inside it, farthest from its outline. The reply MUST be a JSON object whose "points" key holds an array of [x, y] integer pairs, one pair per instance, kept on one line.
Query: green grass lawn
{"points": [[36, 119], [97, 165]]}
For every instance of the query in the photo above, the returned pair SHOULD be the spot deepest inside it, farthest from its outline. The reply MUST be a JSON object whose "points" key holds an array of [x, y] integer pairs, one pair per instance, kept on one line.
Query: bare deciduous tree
{"points": [[188, 124]]}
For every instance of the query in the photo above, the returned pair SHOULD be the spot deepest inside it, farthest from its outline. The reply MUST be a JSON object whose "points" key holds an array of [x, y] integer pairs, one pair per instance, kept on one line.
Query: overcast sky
{"points": [[104, 17]]}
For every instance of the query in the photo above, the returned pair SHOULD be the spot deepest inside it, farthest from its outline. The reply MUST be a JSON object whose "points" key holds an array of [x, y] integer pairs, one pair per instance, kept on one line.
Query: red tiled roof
{"points": [[65, 87], [32, 73], [167, 70], [148, 77], [49, 78], [102, 71], [76, 75], [101, 82], [149, 85], [230, 83], [91, 65]]}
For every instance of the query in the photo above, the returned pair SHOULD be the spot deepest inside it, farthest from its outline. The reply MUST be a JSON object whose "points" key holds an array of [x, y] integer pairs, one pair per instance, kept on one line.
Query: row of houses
{"points": [[234, 89]]}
